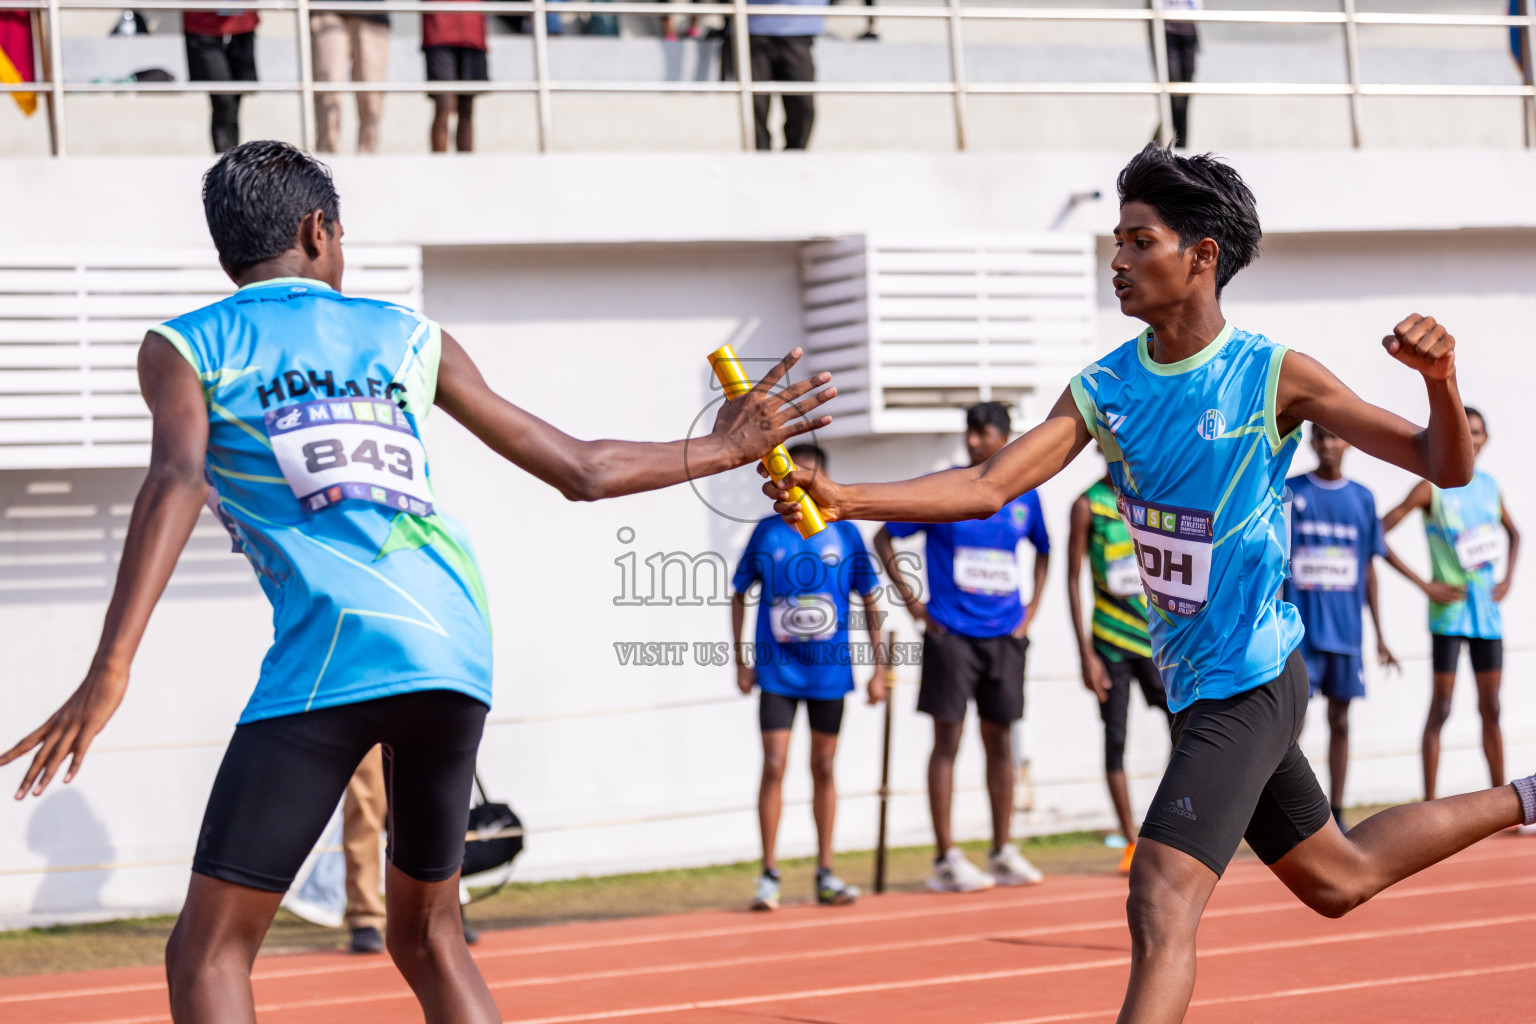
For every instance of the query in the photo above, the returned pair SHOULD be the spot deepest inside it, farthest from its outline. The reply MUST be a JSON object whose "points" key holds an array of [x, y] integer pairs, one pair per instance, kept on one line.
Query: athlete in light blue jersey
{"points": [[1198, 420], [297, 411], [1463, 526]]}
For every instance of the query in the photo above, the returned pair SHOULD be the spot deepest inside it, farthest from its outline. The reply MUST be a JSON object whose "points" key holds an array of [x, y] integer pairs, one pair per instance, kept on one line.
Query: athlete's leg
{"points": [[997, 740], [430, 741], [770, 793], [1445, 652], [1169, 891], [1338, 749], [426, 941], [1113, 712], [941, 780], [208, 958], [1333, 873], [1488, 707], [823, 794]]}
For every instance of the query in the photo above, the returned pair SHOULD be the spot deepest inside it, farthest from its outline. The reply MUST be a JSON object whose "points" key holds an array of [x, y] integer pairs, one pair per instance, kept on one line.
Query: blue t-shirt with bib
{"points": [[802, 615], [1334, 536], [1196, 456], [972, 566], [317, 469]]}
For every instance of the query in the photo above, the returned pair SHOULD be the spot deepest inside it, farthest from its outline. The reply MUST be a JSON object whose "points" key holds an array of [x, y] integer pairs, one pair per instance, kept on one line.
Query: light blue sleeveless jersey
{"points": [[1200, 469], [1465, 530], [318, 472]]}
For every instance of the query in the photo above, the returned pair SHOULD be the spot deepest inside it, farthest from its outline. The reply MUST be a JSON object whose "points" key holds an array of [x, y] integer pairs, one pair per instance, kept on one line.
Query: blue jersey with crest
{"points": [[802, 615], [1200, 466], [317, 470]]}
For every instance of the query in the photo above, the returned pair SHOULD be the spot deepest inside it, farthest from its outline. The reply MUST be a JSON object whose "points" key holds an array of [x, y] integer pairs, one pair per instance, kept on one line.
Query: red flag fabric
{"points": [[16, 56]]}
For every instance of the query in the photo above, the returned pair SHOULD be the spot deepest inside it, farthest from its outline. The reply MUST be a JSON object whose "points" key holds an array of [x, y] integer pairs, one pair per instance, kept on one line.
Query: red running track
{"points": [[1455, 943]]}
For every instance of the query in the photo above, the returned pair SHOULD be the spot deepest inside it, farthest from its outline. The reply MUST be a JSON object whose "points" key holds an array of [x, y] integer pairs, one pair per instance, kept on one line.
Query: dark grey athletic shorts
{"points": [[1237, 773]]}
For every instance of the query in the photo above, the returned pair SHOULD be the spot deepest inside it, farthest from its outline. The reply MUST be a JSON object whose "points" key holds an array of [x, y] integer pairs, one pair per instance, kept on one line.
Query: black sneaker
{"points": [[366, 940]]}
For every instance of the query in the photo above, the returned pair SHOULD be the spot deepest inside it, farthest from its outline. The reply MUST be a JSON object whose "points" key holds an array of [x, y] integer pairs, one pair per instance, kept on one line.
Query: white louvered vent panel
{"points": [[70, 326], [915, 328]]}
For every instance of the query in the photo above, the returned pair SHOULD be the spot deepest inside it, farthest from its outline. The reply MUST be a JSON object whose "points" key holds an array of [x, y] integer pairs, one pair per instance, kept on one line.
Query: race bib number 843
{"points": [[338, 448]]}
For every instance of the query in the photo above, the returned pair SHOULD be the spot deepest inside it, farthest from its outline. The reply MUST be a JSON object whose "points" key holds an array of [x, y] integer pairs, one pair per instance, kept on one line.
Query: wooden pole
{"points": [[885, 763]]}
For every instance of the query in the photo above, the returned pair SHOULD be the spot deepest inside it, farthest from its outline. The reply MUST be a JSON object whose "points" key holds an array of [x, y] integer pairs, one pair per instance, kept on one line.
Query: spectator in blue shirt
{"points": [[780, 46], [974, 638], [802, 655], [1335, 539]]}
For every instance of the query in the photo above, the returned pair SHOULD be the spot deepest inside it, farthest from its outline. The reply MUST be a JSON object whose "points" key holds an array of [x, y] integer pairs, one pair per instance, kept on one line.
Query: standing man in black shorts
{"points": [[455, 50], [297, 409], [1116, 650], [802, 655], [975, 633]]}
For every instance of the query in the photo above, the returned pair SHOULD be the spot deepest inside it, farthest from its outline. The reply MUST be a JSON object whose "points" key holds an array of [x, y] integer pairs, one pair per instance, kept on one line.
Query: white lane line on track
{"points": [[1118, 922], [1314, 990]]}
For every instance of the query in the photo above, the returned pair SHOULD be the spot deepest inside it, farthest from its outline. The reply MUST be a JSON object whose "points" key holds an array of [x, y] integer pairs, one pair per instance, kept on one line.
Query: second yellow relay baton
{"points": [[778, 463]]}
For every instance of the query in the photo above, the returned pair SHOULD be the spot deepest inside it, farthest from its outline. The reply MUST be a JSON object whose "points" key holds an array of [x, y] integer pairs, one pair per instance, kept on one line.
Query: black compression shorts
{"points": [[1237, 773], [281, 779], [1117, 703], [776, 711], [1487, 654]]}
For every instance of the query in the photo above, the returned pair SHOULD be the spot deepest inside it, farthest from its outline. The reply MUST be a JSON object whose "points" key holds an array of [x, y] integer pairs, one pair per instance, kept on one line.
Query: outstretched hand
{"points": [[69, 731], [1422, 344], [767, 416], [826, 494]]}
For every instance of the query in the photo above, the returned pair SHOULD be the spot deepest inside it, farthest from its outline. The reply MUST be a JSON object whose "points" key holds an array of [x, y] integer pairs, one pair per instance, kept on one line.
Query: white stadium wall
{"points": [[593, 304]]}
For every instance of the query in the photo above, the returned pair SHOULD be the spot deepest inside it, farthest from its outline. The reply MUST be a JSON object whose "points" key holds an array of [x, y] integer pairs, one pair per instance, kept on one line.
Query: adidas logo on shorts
{"points": [[1183, 808]]}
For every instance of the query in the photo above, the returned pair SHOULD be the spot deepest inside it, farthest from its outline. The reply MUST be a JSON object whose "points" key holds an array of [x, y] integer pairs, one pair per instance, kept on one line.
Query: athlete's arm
{"points": [[1094, 677], [163, 516], [975, 492], [1042, 564], [1441, 452], [1383, 653], [1418, 498], [1501, 590], [909, 598], [745, 430], [746, 676], [876, 688]]}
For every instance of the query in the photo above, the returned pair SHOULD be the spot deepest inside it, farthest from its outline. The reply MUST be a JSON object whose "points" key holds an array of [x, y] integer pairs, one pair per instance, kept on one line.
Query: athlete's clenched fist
{"points": [[1423, 344]]}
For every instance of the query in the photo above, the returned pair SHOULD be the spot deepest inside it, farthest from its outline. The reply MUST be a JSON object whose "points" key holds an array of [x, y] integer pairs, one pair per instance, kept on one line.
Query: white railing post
{"points": [[546, 113], [741, 48], [1352, 60], [55, 69], [957, 72], [1527, 64], [1160, 70], [306, 77]]}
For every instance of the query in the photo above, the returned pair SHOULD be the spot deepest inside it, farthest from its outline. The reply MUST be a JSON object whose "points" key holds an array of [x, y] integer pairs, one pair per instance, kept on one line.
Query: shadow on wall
{"points": [[61, 537], [67, 833]]}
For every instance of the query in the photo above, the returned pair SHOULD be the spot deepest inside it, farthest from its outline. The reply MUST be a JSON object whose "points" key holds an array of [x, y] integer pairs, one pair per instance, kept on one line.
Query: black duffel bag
{"points": [[503, 832]]}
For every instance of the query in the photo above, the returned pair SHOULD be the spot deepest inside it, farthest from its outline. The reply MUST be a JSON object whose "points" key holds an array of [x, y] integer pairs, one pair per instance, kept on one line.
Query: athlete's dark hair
{"points": [[812, 451], [989, 414], [256, 196], [1199, 197], [1473, 412]]}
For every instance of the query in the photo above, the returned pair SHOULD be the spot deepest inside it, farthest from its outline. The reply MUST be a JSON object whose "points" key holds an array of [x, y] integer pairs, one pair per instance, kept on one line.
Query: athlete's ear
{"points": [[1204, 255]]}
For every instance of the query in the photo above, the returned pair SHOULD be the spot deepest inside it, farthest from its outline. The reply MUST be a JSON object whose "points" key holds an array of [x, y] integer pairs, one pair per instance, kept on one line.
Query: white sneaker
{"points": [[1009, 867], [953, 873], [767, 895]]}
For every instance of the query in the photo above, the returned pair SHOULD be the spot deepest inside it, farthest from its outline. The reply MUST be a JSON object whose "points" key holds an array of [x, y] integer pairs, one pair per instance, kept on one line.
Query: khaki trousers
{"points": [[362, 825], [340, 42]]}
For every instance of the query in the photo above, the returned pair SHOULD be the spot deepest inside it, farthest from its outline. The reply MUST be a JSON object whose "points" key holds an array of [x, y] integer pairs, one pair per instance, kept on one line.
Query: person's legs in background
{"points": [[793, 63], [329, 45], [464, 134], [363, 811], [370, 63], [1182, 49], [1445, 652], [207, 61], [761, 48], [241, 54]]}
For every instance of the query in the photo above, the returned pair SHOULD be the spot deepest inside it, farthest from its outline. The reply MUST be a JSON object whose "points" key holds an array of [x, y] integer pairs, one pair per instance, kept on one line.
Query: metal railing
{"points": [[954, 14]]}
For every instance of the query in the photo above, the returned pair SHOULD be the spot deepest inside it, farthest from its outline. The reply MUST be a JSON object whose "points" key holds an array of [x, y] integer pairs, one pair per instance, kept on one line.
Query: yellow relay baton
{"points": [[778, 463]]}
